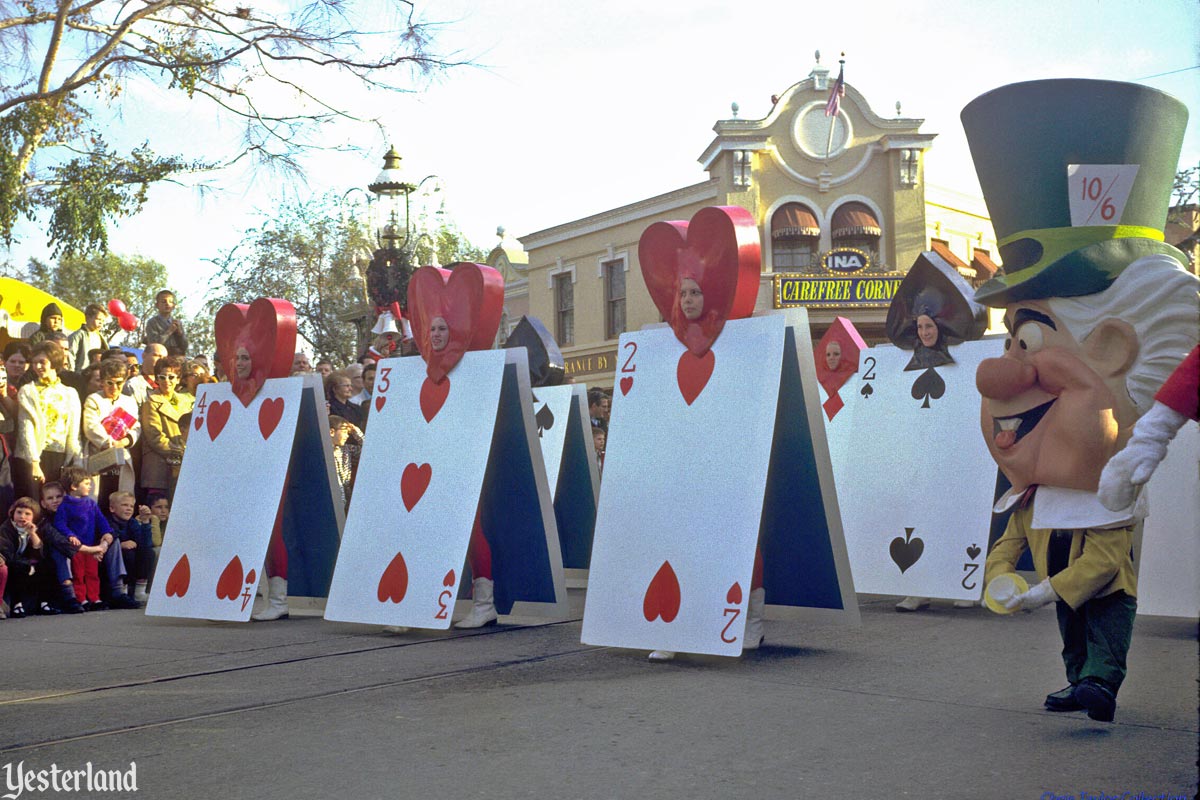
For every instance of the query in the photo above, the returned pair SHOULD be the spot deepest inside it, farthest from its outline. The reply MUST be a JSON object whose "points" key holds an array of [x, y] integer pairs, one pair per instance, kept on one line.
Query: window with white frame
{"points": [[564, 308], [613, 273]]}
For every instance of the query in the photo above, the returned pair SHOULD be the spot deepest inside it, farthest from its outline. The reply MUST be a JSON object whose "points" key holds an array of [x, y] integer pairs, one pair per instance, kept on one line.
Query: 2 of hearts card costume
{"points": [[451, 466], [257, 475], [1077, 175], [715, 445]]}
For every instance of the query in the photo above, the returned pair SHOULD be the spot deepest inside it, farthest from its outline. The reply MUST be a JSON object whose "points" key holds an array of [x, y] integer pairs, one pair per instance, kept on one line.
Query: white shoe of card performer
{"points": [[396, 629], [754, 620], [483, 612], [964, 604], [277, 604], [662, 655], [912, 604]]}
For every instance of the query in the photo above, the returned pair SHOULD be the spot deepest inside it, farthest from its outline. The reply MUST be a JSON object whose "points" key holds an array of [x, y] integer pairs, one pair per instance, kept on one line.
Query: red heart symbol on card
{"points": [[229, 585], [469, 297], [433, 397], [269, 414], [198, 423], [662, 595], [413, 483], [719, 250], [448, 581], [393, 584], [266, 330], [250, 576], [180, 578], [734, 595], [379, 401], [693, 373], [626, 385], [218, 415]]}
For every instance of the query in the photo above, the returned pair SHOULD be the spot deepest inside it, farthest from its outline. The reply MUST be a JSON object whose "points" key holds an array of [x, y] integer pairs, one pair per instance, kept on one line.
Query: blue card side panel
{"points": [[510, 511], [575, 502], [309, 522], [1000, 522], [798, 563]]}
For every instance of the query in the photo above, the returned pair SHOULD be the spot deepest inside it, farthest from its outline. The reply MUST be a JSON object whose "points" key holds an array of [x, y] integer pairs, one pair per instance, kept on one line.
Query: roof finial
{"points": [[897, 108], [817, 55], [734, 108]]}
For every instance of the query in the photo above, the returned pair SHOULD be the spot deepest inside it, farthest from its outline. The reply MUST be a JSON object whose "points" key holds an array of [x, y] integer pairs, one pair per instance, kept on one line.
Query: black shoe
{"points": [[1098, 699], [47, 610], [123, 601], [1063, 700], [72, 607], [98, 605], [17, 612]]}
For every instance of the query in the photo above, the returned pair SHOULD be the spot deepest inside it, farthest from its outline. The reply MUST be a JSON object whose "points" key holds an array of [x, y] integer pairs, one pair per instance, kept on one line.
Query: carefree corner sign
{"points": [[842, 286]]}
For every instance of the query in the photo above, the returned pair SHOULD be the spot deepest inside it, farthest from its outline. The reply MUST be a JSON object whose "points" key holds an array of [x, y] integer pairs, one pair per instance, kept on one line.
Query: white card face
{"points": [[915, 481], [416, 493], [682, 495], [1099, 192], [1168, 582], [226, 501], [551, 412]]}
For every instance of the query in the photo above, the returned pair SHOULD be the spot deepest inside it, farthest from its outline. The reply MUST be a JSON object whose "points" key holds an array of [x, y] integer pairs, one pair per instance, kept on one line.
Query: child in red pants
{"points": [[80, 516]]}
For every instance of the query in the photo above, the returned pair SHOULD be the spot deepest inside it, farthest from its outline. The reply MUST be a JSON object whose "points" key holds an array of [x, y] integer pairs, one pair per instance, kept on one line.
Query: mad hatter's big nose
{"points": [[1004, 378]]}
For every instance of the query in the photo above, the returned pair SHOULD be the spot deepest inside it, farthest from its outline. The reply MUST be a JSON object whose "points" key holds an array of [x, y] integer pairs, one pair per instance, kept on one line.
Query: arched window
{"points": [[854, 225], [795, 239]]}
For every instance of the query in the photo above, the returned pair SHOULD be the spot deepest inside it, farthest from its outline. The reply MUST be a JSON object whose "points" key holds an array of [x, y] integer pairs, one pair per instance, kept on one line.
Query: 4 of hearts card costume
{"points": [[1077, 175]]}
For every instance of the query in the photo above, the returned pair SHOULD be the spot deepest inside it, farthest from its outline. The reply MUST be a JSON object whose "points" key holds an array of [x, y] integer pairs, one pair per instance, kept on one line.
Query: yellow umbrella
{"points": [[24, 303]]}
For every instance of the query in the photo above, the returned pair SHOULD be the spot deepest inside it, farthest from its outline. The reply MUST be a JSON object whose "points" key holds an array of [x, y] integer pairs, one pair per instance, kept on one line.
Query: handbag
{"points": [[108, 462]]}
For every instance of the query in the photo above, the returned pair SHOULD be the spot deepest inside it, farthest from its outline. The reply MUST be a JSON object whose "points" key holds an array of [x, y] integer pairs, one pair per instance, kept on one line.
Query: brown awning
{"points": [[983, 264], [854, 219], [794, 219], [943, 250]]}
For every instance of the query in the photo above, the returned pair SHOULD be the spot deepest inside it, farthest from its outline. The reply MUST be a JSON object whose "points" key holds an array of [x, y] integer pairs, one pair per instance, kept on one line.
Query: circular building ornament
{"points": [[810, 131]]}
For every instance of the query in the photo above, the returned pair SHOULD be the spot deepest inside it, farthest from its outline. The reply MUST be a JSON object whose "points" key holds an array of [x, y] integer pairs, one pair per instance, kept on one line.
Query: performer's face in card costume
{"points": [[833, 356], [691, 299], [242, 363], [439, 334], [927, 330]]}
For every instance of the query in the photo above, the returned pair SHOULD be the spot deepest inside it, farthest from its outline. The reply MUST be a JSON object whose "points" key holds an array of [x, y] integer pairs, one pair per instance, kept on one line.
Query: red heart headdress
{"points": [[267, 329], [470, 297]]}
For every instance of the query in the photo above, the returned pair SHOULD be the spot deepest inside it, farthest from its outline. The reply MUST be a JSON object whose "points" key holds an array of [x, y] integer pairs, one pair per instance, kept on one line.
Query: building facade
{"points": [[842, 211]]}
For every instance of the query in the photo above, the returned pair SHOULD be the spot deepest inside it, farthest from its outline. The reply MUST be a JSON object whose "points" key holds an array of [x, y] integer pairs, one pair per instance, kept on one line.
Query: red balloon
{"points": [[116, 307], [128, 322]]}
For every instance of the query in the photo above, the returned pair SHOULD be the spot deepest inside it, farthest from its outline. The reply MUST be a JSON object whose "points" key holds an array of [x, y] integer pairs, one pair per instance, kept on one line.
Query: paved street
{"points": [[940, 704]]}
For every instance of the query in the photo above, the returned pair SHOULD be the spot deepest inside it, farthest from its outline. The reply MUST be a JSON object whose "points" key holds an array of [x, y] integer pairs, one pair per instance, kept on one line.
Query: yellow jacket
{"points": [[1099, 563]]}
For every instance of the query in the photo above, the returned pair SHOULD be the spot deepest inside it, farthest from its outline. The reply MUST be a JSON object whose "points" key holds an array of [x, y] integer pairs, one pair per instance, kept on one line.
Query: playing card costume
{"points": [[1077, 175]]}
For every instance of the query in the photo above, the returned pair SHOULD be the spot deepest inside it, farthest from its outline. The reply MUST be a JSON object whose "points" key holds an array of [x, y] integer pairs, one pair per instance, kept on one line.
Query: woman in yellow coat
{"points": [[162, 436]]}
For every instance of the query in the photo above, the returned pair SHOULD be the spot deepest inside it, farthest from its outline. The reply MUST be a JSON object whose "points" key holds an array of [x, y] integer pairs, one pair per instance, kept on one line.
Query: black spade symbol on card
{"points": [[907, 551], [973, 552], [929, 386], [545, 419], [867, 390]]}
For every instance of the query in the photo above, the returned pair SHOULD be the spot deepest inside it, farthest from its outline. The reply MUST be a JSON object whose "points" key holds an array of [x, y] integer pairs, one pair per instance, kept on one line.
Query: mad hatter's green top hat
{"points": [[1024, 139]]}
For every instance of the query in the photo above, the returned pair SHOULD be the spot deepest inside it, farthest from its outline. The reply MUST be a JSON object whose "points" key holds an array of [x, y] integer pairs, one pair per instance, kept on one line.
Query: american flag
{"points": [[837, 93]]}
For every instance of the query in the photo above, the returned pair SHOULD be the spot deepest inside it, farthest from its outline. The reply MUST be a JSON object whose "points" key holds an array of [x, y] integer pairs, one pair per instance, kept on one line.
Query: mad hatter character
{"points": [[1098, 316]]}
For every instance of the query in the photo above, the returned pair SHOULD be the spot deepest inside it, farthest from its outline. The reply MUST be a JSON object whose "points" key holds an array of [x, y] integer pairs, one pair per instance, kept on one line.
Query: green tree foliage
{"points": [[311, 255], [67, 67], [98, 279]]}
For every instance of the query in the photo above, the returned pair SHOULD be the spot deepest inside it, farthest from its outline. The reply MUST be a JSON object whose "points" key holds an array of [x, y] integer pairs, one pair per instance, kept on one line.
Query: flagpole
{"points": [[838, 86]]}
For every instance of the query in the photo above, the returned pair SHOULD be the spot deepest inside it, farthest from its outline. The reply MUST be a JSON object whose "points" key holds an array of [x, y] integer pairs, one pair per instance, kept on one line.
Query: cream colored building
{"points": [[842, 211]]}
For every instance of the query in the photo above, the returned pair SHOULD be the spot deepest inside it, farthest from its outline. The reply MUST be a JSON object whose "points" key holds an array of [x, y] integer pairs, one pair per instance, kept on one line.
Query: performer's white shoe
{"points": [[912, 604], [277, 604], [754, 620], [662, 655], [396, 629], [965, 604], [484, 610]]}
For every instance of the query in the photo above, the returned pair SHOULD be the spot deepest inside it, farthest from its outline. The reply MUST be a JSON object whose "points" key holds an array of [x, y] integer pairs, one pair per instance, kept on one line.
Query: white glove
{"points": [[1134, 465], [1038, 596]]}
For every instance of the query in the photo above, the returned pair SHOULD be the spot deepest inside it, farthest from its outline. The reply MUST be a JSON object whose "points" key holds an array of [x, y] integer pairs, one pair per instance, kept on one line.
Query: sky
{"points": [[570, 109]]}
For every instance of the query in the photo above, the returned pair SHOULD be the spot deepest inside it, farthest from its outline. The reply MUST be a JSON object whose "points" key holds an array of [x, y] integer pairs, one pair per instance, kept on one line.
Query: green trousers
{"points": [[1096, 638]]}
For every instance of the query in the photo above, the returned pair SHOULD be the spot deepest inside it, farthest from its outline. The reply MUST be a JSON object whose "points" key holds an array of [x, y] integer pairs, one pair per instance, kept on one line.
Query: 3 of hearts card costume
{"points": [[1077, 175], [715, 438], [472, 487]]}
